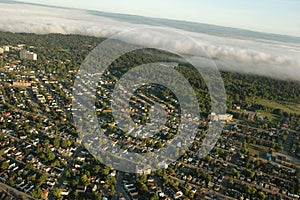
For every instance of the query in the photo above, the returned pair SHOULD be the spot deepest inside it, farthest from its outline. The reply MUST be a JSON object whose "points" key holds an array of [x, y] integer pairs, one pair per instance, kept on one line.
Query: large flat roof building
{"points": [[28, 55], [220, 117]]}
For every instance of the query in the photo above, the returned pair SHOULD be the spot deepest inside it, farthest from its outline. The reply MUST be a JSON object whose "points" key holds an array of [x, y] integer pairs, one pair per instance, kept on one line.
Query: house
{"points": [[145, 170], [237, 107], [3, 177], [64, 191], [178, 194], [81, 158], [151, 184], [5, 196], [50, 182], [113, 173], [45, 194], [81, 188], [94, 188], [251, 116], [26, 190], [210, 184], [217, 187]]}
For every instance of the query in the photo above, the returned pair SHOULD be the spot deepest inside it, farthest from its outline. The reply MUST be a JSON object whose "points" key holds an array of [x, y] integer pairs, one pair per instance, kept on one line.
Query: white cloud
{"points": [[268, 58]]}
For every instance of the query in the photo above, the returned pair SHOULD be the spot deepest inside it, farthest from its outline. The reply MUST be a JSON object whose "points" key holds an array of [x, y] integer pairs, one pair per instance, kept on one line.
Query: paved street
{"points": [[119, 188], [14, 192]]}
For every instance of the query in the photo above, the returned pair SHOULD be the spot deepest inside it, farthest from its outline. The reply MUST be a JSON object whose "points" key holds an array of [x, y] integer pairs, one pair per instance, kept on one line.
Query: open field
{"points": [[284, 106], [261, 151]]}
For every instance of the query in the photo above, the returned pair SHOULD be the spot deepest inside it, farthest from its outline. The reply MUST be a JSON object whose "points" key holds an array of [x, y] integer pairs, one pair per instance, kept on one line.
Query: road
{"points": [[62, 176], [14, 192], [119, 188]]}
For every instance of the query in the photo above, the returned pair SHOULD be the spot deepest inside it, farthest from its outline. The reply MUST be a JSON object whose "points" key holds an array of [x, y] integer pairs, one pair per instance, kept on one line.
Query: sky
{"points": [[234, 51], [270, 16]]}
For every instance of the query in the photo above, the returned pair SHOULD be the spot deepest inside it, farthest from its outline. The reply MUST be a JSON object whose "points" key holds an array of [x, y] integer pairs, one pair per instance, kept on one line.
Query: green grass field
{"points": [[284, 106], [272, 117], [259, 150]]}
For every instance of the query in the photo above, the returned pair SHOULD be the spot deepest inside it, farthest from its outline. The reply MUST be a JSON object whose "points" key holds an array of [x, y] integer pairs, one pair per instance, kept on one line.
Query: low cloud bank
{"points": [[256, 56]]}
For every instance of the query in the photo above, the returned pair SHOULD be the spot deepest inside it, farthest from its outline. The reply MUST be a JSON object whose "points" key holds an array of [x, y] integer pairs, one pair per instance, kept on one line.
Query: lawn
{"points": [[284, 106], [261, 151]]}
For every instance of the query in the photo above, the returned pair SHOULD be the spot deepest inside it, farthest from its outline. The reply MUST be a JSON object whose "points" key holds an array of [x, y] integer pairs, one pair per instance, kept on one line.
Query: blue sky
{"points": [[272, 16]]}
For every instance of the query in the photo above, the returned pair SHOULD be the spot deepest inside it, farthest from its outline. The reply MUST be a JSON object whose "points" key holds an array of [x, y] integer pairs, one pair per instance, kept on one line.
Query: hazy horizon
{"points": [[177, 23], [233, 49], [268, 16]]}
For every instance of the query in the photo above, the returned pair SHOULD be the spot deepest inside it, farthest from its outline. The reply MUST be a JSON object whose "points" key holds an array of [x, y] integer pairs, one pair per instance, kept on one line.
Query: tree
{"points": [[64, 144], [112, 190], [42, 179], [244, 149], [56, 142], [75, 193], [284, 137], [98, 196], [46, 143], [75, 182], [154, 197], [250, 190], [249, 173], [235, 173], [51, 156], [277, 111], [38, 194], [262, 195], [142, 178], [85, 180], [160, 172], [105, 170], [208, 178], [279, 147], [4, 165], [68, 174], [96, 169], [57, 193], [144, 187]]}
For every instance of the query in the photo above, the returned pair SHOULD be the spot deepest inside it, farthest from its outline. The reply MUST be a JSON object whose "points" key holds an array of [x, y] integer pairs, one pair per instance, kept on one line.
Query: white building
{"points": [[28, 55], [226, 117], [219, 117], [145, 170], [6, 48]]}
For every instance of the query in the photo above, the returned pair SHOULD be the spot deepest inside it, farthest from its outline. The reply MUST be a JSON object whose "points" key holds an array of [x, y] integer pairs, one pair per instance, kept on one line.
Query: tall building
{"points": [[28, 55]]}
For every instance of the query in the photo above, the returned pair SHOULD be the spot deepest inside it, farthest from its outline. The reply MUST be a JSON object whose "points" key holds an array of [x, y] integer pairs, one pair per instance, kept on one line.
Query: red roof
{"points": [[45, 192]]}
